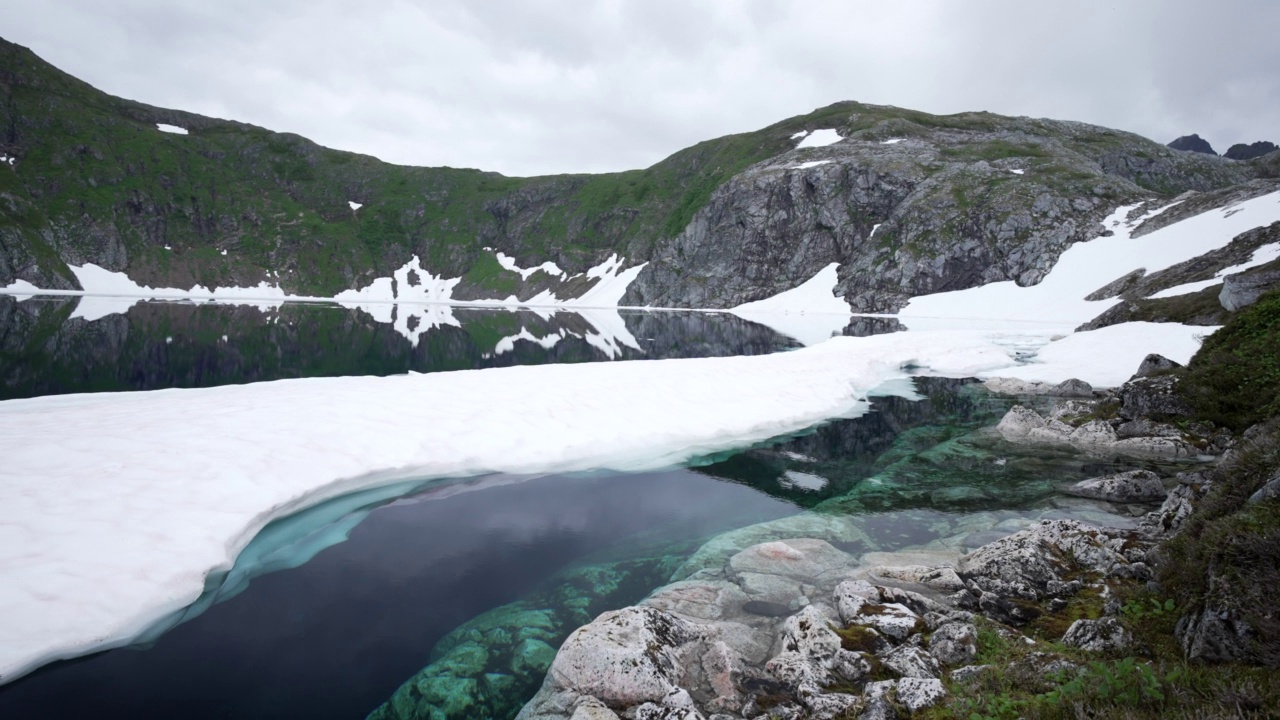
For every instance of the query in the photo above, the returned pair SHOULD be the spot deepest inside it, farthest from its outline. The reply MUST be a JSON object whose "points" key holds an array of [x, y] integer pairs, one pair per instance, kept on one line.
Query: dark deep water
{"points": [[465, 589], [335, 637]]}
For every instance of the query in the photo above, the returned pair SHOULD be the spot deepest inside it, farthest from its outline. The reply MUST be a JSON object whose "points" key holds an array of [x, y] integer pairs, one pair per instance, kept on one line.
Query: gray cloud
{"points": [[545, 86]]}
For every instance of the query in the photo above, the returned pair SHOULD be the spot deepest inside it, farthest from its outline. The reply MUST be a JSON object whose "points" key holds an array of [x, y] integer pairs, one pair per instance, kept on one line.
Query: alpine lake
{"points": [[448, 599]]}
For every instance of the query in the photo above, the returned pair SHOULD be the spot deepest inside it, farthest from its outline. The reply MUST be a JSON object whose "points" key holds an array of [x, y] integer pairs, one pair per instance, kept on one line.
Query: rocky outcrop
{"points": [[1193, 143], [927, 214], [1025, 426], [1243, 289]]}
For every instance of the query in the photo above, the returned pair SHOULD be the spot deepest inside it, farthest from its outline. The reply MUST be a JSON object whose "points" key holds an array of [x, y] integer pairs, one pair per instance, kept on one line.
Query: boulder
{"points": [[1071, 388], [1095, 434], [700, 599], [890, 619], [1180, 502], [811, 654], [1019, 422], [1097, 635], [911, 662], [1154, 364], [1033, 564], [1135, 486], [1243, 289], [627, 657], [916, 694], [1152, 397], [954, 643]]}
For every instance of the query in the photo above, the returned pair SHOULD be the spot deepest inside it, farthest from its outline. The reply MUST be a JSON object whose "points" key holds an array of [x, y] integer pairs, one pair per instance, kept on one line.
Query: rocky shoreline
{"points": [[799, 628]]}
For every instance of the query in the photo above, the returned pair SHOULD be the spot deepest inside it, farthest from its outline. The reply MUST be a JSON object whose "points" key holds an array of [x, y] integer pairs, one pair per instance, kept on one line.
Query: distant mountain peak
{"points": [[1193, 143], [1241, 151]]}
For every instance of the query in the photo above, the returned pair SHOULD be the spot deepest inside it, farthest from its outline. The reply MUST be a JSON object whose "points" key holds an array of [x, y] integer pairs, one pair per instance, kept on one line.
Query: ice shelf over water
{"points": [[114, 507]]}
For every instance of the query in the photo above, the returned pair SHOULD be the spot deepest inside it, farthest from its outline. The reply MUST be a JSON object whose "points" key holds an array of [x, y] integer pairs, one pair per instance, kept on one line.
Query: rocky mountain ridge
{"points": [[906, 202]]}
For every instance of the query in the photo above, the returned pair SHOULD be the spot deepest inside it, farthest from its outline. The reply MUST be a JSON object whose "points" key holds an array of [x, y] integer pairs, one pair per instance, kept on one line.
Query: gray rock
{"points": [[967, 673], [916, 694], [1243, 289], [911, 661], [892, 620], [954, 643], [1018, 423], [626, 657], [1269, 491], [1142, 427], [1214, 635], [1152, 397], [1135, 486], [1155, 447], [1095, 434], [1071, 388], [1024, 565], [811, 654], [879, 700], [1153, 364], [593, 710], [1097, 635]]}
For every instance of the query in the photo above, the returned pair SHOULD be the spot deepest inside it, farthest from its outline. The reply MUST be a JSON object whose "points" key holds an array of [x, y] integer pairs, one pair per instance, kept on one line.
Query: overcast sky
{"points": [[545, 86]]}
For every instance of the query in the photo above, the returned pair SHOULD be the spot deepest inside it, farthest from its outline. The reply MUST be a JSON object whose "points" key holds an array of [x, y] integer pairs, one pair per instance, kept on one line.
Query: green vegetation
{"points": [[1234, 380], [1150, 681]]}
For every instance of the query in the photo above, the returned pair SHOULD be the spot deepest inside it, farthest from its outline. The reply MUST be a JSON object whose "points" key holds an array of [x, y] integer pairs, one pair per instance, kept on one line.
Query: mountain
{"points": [[906, 202], [1240, 151], [1193, 143]]}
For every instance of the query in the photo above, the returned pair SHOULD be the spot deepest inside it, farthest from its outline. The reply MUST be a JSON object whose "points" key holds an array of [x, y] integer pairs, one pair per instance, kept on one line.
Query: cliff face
{"points": [[916, 204], [90, 178]]}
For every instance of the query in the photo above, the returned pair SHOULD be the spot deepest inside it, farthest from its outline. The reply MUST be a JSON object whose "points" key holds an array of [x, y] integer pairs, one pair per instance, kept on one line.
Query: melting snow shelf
{"points": [[114, 507]]}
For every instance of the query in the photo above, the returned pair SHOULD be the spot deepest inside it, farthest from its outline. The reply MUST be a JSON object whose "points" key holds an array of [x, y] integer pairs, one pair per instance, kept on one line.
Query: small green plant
{"points": [[999, 707], [1137, 609], [1126, 683]]}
